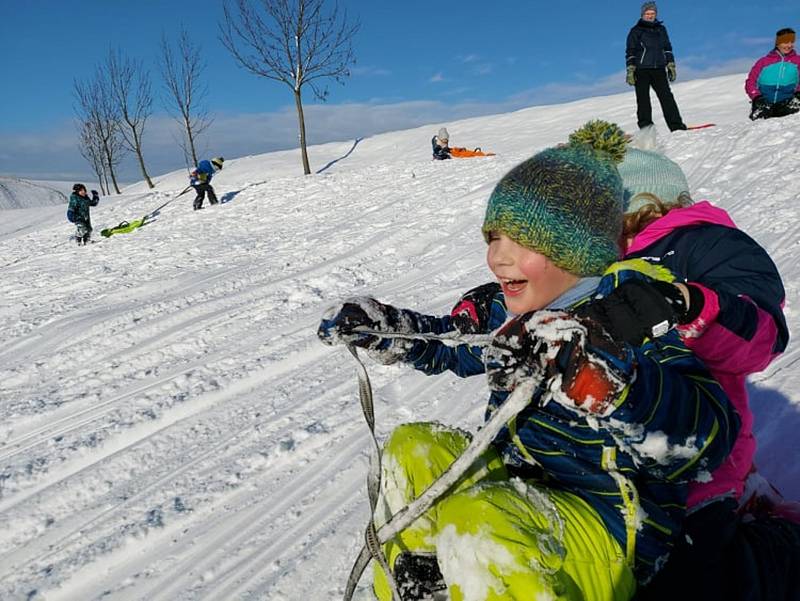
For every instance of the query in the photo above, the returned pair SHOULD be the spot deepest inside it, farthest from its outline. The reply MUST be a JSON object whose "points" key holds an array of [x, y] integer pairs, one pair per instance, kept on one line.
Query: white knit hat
{"points": [[443, 135], [645, 171]]}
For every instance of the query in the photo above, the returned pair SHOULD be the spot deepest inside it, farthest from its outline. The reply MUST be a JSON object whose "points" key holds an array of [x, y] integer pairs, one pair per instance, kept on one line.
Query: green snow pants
{"points": [[496, 537]]}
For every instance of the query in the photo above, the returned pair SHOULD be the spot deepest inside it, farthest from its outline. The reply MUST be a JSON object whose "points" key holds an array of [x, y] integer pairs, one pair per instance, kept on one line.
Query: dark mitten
{"points": [[471, 313], [344, 324], [637, 310], [514, 355]]}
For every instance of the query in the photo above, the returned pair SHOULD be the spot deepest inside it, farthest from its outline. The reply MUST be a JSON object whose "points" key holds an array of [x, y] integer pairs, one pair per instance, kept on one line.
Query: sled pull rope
{"points": [[371, 543], [515, 403]]}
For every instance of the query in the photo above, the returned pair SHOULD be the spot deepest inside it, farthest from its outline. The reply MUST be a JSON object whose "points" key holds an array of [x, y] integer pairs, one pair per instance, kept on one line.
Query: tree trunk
{"points": [[299, 102], [141, 162], [190, 137]]}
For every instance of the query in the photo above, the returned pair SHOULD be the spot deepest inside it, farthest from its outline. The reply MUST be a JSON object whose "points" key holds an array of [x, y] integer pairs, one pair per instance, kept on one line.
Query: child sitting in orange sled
{"points": [[442, 149]]}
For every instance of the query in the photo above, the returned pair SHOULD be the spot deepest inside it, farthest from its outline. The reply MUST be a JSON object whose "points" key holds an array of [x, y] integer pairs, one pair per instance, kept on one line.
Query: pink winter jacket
{"points": [[729, 357], [776, 80]]}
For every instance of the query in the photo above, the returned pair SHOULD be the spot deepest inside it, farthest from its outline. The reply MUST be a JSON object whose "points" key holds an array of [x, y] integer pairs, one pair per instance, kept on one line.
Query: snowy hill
{"points": [[170, 427], [18, 193]]}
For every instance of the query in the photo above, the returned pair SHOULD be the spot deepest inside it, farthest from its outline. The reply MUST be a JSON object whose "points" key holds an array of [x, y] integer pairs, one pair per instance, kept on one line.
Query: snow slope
{"points": [[16, 193], [170, 427]]}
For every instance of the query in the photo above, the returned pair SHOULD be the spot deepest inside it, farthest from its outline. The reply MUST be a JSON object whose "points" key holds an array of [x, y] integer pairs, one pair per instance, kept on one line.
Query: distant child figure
{"points": [[650, 63], [773, 83], [78, 212], [440, 143], [200, 179]]}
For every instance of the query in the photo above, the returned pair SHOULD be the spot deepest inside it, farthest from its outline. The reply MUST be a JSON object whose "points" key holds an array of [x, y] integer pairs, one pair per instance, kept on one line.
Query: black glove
{"points": [[639, 309], [471, 313], [759, 102], [340, 325], [95, 195]]}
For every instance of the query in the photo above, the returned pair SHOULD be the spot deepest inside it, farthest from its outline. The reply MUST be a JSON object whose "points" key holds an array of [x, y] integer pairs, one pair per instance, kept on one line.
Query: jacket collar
{"points": [[700, 213]]}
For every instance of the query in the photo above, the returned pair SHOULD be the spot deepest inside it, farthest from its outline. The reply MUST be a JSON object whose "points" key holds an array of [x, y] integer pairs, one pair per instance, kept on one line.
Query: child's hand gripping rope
{"points": [[578, 363], [344, 324]]}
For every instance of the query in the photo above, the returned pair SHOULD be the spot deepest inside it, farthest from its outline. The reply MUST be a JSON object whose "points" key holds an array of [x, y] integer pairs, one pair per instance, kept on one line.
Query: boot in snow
{"points": [[418, 577]]}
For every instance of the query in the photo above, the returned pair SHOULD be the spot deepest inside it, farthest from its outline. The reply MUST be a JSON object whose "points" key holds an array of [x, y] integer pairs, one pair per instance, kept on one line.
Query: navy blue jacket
{"points": [[732, 264], [648, 46], [672, 399]]}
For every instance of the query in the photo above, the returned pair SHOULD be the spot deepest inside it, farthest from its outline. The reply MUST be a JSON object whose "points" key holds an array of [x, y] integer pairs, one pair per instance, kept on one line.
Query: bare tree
{"points": [[95, 109], [91, 149], [130, 90], [291, 41], [182, 71]]}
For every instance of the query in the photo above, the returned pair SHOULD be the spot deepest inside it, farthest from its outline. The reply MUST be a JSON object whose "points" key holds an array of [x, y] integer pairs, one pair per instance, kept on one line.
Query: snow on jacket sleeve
{"points": [[673, 418]]}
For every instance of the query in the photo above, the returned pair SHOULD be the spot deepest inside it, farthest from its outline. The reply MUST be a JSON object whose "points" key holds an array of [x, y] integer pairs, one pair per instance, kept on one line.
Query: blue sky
{"points": [[418, 62]]}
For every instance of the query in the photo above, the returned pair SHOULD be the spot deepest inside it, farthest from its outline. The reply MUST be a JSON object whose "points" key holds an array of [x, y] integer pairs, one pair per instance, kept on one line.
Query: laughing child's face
{"points": [[530, 281]]}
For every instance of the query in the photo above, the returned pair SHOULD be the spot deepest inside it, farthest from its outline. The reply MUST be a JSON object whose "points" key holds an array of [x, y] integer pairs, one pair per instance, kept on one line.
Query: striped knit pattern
{"points": [[564, 203]]}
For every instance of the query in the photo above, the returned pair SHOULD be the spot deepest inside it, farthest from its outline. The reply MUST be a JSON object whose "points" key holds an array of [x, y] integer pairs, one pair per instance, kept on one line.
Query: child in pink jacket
{"points": [[773, 83], [735, 324]]}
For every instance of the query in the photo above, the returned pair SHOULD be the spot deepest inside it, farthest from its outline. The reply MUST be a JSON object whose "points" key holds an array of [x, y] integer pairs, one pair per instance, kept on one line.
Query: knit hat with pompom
{"points": [[565, 202]]}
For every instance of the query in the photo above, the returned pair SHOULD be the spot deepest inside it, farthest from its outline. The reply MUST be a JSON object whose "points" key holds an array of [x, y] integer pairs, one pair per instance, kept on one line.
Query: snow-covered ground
{"points": [[16, 193], [170, 426]]}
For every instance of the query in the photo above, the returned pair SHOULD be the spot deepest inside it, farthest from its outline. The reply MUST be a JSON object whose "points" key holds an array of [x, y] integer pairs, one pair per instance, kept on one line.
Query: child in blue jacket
{"points": [[582, 495], [200, 179]]}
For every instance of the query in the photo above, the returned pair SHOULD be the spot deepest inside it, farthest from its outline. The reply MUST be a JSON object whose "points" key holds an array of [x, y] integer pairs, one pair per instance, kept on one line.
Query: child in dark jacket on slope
{"points": [[581, 496], [79, 213]]}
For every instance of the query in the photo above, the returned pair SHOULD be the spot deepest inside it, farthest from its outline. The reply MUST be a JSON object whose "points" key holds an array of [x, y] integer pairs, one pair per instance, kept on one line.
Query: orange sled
{"points": [[465, 153]]}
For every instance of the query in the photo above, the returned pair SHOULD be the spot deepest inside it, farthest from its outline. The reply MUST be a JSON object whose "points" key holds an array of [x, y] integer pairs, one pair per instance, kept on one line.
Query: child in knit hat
{"points": [[554, 507], [735, 325], [773, 83], [440, 143]]}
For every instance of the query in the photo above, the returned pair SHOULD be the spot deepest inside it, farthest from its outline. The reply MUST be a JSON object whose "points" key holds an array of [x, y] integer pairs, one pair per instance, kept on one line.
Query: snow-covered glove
{"points": [[341, 324], [471, 313], [630, 76], [637, 310], [581, 366], [672, 72], [794, 101]]}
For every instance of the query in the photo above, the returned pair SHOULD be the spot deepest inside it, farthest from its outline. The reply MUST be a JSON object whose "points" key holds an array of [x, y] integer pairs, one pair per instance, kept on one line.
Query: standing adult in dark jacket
{"points": [[650, 63], [78, 212]]}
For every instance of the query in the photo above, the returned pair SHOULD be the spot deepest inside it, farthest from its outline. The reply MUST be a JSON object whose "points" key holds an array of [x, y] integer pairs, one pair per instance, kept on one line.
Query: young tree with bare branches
{"points": [[182, 71], [130, 91], [96, 110], [91, 149], [295, 42]]}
